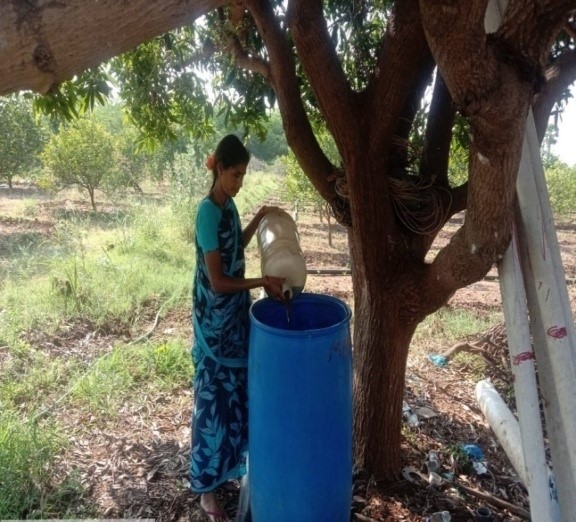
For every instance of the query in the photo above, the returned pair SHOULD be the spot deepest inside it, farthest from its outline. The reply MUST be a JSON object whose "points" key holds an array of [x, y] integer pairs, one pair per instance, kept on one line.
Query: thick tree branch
{"points": [[282, 75], [402, 155], [324, 71], [36, 38], [243, 60], [559, 76], [496, 103], [455, 32], [528, 29], [436, 153], [402, 57], [237, 11]]}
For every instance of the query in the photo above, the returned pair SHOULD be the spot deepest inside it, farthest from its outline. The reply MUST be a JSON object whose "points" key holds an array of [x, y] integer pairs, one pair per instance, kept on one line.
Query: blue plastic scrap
{"points": [[438, 360], [473, 452]]}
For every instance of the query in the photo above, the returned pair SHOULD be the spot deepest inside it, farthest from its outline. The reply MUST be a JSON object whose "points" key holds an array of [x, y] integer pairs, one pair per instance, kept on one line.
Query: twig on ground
{"points": [[495, 501]]}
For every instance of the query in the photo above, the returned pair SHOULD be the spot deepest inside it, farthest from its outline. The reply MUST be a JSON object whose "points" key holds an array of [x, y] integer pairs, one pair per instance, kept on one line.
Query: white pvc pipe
{"points": [[533, 470], [552, 328], [508, 432], [504, 425], [549, 228]]}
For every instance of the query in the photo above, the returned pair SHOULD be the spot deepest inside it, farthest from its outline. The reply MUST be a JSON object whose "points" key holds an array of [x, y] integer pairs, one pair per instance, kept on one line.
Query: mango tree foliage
{"points": [[82, 155], [22, 138], [561, 180], [274, 145]]}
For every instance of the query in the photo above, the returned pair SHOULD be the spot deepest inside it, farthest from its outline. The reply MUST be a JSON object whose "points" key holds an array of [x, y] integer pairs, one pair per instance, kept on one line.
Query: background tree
{"points": [[302, 193], [81, 154], [274, 145], [300, 189], [361, 68], [561, 180], [22, 138]]}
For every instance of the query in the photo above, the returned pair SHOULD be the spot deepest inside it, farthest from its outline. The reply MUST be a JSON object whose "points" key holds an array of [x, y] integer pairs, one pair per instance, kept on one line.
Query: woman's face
{"points": [[231, 179]]}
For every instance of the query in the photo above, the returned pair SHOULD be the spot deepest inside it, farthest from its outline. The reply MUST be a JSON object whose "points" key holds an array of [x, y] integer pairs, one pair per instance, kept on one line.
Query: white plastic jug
{"points": [[280, 252]]}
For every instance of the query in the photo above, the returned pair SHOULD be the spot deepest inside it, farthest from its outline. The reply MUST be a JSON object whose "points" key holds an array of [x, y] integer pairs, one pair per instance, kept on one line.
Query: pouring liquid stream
{"points": [[288, 312], [287, 294]]}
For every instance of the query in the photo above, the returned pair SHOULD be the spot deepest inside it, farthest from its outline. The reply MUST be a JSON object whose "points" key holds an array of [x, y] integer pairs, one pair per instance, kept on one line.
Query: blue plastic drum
{"points": [[300, 419]]}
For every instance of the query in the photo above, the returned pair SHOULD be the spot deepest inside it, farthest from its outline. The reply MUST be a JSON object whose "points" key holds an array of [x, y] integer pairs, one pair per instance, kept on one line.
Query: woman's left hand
{"points": [[273, 287]]}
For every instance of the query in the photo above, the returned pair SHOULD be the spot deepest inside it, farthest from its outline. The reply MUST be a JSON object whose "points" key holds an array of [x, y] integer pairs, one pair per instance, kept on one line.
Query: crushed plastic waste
{"points": [[476, 457], [432, 462], [434, 479], [480, 468], [440, 516], [411, 474], [425, 413], [409, 416], [449, 476], [438, 360], [473, 452]]}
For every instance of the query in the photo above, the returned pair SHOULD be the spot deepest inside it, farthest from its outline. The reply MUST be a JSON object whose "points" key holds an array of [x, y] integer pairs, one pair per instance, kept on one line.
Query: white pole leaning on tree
{"points": [[552, 324], [528, 433]]}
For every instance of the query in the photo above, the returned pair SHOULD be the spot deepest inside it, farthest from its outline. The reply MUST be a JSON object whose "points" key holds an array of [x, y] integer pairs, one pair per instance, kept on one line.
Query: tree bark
{"points": [[43, 43], [386, 315], [92, 198]]}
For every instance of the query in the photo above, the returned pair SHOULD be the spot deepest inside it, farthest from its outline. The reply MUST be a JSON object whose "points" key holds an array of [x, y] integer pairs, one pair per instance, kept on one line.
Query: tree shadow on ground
{"points": [[18, 244], [101, 219], [162, 493], [22, 192]]}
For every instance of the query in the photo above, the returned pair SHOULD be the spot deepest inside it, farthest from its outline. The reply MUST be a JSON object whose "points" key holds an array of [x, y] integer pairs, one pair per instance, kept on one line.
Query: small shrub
{"points": [[26, 452]]}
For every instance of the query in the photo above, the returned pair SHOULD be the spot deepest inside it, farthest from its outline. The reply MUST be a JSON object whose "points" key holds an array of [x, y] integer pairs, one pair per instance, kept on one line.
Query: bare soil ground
{"points": [[135, 464]]}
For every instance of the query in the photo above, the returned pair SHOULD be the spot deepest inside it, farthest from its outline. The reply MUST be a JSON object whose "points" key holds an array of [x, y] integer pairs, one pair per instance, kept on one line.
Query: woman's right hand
{"points": [[273, 286]]}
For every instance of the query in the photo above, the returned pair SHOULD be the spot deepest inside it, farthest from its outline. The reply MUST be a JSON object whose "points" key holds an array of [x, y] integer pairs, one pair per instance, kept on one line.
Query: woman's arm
{"points": [[227, 285], [250, 229]]}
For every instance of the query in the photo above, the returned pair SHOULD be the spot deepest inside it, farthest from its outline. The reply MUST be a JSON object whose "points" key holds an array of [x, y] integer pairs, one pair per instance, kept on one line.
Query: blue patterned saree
{"points": [[220, 351]]}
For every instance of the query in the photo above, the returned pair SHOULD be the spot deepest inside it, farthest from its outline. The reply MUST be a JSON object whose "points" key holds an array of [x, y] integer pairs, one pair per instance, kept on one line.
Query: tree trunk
{"points": [[385, 275], [381, 343], [92, 199]]}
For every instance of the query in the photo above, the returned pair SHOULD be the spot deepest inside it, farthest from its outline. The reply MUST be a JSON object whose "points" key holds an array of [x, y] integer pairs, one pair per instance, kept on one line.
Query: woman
{"points": [[221, 300]]}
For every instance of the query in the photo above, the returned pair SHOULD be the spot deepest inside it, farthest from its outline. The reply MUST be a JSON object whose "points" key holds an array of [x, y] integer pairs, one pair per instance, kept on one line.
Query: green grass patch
{"points": [[105, 268], [115, 377], [27, 451], [447, 326], [257, 187], [99, 273], [29, 380]]}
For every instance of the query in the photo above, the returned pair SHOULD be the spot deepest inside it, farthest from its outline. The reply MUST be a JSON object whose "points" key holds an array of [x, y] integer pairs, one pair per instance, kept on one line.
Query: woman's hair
{"points": [[230, 152]]}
